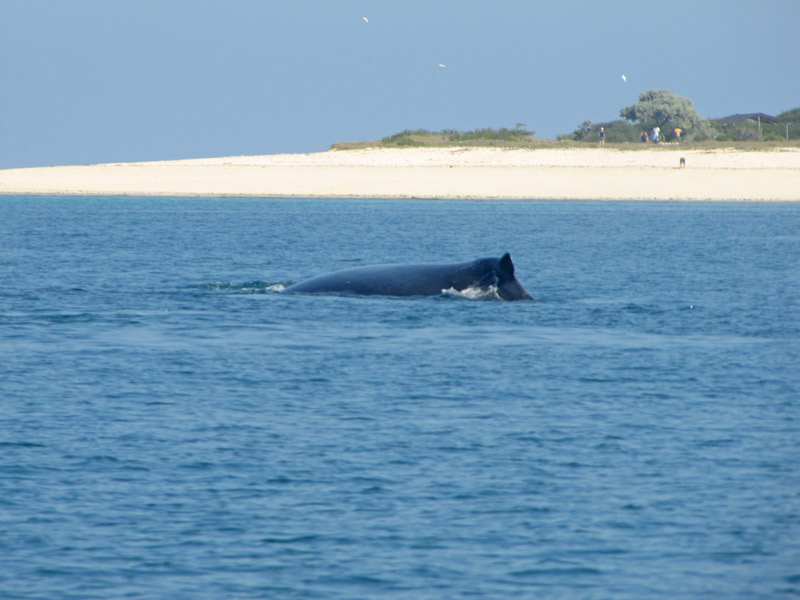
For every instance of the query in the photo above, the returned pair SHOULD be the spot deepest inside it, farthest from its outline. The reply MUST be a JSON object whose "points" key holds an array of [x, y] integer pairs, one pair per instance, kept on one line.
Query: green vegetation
{"points": [[566, 142], [770, 132], [659, 108], [665, 110], [422, 137], [617, 132]]}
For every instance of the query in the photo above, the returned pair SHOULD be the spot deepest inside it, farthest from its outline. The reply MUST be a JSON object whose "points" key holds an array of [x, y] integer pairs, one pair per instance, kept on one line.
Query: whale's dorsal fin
{"points": [[506, 265]]}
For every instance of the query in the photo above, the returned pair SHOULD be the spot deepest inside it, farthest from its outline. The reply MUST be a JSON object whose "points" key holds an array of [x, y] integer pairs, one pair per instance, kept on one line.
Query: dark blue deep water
{"points": [[171, 426]]}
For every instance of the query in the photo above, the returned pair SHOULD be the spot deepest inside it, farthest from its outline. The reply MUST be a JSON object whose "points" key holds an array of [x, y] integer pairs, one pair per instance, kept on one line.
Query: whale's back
{"points": [[418, 279]]}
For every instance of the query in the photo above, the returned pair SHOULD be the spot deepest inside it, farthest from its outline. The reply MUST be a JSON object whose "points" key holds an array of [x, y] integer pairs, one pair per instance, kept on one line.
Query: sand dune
{"points": [[479, 173]]}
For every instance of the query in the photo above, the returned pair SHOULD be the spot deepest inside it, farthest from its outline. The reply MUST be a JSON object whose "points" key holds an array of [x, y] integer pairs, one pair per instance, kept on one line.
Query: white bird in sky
{"points": [[625, 79], [441, 66], [365, 19]]}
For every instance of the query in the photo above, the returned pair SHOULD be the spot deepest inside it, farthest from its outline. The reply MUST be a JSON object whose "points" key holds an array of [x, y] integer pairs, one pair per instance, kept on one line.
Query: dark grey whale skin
{"points": [[419, 279]]}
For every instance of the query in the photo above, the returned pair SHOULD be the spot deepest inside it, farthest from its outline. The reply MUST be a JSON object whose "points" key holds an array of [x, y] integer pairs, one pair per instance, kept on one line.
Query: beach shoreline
{"points": [[446, 173]]}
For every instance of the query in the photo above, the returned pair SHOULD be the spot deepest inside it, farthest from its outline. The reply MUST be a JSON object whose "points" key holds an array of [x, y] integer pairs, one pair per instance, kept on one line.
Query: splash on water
{"points": [[474, 293], [249, 287]]}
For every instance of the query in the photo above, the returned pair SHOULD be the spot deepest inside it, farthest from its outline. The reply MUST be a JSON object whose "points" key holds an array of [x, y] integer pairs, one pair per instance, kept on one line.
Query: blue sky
{"points": [[90, 81]]}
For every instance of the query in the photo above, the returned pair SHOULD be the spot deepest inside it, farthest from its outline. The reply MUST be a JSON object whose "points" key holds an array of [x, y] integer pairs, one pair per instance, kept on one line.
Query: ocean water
{"points": [[172, 426]]}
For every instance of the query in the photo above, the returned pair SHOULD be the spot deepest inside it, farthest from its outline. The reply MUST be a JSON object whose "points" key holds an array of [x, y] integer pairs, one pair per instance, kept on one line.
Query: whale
{"points": [[489, 274]]}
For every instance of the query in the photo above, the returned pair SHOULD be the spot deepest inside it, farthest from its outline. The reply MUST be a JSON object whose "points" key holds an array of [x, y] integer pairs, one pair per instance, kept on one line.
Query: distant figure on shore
{"points": [[683, 162], [602, 138], [656, 132], [643, 137], [677, 131]]}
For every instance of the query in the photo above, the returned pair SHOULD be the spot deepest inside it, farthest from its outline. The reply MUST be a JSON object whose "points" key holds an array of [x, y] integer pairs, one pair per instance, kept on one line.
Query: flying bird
{"points": [[441, 66], [625, 79], [365, 19]]}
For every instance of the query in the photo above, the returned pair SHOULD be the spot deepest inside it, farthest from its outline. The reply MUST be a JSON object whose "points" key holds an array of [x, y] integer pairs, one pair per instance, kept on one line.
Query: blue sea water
{"points": [[172, 426]]}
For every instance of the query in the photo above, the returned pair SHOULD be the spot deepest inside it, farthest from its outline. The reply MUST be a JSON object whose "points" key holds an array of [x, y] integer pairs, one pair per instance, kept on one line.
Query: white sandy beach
{"points": [[479, 173]]}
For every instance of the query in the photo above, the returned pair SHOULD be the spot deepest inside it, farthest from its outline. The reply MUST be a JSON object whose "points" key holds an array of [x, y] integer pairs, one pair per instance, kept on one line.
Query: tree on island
{"points": [[662, 108]]}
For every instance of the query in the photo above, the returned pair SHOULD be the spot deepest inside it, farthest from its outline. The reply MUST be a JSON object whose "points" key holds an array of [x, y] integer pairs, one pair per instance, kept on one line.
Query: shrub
{"points": [[406, 138], [422, 137], [616, 132], [503, 134], [748, 130]]}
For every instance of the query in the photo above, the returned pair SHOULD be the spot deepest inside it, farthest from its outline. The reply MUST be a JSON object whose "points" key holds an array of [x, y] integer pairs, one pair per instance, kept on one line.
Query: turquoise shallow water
{"points": [[172, 426]]}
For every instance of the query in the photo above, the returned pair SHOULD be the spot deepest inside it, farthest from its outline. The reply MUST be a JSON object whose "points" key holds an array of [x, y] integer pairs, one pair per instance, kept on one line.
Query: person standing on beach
{"points": [[678, 131], [643, 137], [602, 138], [656, 131]]}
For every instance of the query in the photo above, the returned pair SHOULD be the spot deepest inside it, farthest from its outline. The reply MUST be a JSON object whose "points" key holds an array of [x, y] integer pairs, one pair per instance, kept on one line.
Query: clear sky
{"points": [[89, 81]]}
